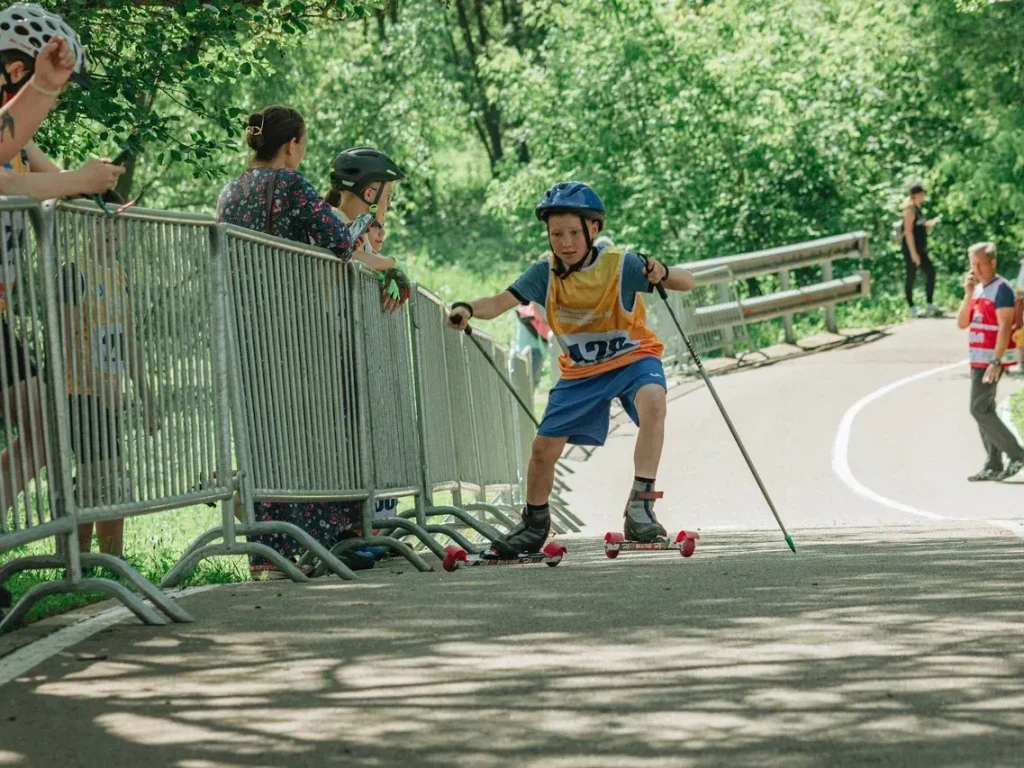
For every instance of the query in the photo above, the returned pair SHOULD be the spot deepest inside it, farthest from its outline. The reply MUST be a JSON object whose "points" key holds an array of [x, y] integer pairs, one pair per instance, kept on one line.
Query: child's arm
{"points": [[486, 308], [21, 117], [373, 260], [673, 278], [679, 279]]}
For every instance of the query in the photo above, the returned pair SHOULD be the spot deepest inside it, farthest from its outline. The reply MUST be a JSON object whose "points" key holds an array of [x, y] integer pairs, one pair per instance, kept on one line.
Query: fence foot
{"points": [[39, 592], [486, 530], [415, 530], [453, 534], [31, 563], [165, 603], [314, 548], [189, 561], [493, 511], [390, 525], [211, 535], [395, 545]]}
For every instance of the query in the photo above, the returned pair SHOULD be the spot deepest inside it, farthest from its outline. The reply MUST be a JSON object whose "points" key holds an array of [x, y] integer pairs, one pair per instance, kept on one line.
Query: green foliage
{"points": [[163, 73], [709, 128]]}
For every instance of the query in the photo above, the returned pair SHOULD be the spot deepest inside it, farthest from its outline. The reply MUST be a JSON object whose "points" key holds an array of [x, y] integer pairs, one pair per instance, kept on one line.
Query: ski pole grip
{"points": [[454, 320]]}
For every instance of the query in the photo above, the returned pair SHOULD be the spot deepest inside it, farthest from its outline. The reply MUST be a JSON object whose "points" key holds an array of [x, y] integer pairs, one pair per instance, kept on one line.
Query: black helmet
{"points": [[357, 168]]}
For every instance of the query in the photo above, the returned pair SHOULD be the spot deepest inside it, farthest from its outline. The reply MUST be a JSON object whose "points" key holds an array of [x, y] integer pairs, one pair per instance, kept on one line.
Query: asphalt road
{"points": [[892, 638]]}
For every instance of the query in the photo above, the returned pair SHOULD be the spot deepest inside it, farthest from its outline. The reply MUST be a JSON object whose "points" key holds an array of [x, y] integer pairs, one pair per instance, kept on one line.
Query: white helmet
{"points": [[27, 27]]}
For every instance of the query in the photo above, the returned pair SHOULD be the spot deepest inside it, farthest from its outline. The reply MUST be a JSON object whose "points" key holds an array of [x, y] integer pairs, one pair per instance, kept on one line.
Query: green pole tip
{"points": [[792, 546]]}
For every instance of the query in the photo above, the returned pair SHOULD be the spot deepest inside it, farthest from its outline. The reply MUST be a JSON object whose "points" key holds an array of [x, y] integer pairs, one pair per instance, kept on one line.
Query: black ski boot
{"points": [[527, 537], [641, 524]]}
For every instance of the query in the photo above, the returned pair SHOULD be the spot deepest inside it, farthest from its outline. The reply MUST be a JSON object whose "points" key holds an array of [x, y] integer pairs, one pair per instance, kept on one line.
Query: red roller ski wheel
{"points": [[555, 552], [452, 556], [611, 540], [688, 539]]}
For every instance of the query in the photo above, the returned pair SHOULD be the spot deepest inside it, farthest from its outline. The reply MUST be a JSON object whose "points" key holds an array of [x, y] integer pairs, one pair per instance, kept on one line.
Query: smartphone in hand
{"points": [[122, 157]]}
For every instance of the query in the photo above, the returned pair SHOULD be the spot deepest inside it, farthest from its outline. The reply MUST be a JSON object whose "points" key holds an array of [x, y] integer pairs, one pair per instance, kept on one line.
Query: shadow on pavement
{"points": [[868, 648]]}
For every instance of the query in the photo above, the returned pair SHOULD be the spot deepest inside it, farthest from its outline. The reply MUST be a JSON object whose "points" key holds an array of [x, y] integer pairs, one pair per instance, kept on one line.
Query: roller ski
{"points": [[642, 532], [550, 554], [523, 545]]}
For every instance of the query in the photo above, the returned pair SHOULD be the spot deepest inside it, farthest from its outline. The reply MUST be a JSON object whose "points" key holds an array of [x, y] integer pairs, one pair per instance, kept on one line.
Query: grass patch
{"points": [[1017, 410], [152, 545]]}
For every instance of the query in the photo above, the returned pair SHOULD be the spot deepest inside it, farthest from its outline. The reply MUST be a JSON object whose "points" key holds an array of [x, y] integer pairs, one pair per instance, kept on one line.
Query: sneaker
{"points": [[915, 312], [640, 523], [527, 537], [1011, 470], [986, 475], [932, 311]]}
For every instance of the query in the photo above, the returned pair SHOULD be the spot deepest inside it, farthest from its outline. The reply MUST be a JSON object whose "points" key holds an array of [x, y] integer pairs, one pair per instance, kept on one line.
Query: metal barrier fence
{"points": [[28, 440], [131, 383], [445, 418]]}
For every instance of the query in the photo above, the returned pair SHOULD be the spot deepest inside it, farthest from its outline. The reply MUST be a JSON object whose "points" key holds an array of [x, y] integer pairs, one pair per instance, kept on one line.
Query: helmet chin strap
{"points": [[560, 269], [10, 89], [376, 199]]}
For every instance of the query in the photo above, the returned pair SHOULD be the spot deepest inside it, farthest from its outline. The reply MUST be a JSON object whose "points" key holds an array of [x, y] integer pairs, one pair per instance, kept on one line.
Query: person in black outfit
{"points": [[915, 251]]}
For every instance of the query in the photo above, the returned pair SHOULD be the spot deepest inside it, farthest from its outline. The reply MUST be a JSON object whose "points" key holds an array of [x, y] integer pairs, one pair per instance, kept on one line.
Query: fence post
{"points": [[830, 309], [724, 297], [787, 320]]}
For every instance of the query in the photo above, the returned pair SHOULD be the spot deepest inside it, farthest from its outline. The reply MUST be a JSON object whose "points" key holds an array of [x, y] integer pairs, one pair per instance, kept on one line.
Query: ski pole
{"points": [[501, 373], [736, 436]]}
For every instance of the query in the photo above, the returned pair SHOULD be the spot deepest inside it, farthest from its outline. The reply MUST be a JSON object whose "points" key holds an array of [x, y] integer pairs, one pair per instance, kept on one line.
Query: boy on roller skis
{"points": [[591, 297]]}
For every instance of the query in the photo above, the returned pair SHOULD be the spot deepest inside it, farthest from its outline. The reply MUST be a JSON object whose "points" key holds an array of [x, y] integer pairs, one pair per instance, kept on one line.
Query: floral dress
{"points": [[299, 214]]}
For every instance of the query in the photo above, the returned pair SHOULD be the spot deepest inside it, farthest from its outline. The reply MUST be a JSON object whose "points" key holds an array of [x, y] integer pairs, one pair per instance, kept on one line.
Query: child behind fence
{"points": [[102, 362]]}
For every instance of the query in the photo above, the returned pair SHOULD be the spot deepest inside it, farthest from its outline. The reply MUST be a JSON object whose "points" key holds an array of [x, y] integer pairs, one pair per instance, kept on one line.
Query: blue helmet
{"points": [[572, 197]]}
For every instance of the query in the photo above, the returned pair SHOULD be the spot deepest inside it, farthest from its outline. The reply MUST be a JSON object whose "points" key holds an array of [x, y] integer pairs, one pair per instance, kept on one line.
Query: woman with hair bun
{"points": [[271, 196], [277, 137]]}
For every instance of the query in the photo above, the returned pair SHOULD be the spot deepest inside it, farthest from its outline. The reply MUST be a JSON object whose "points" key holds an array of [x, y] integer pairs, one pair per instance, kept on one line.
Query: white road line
{"points": [[19, 662], [841, 446]]}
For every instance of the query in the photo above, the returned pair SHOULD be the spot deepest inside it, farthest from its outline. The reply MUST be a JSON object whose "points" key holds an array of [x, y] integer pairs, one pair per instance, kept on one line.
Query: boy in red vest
{"points": [[987, 309], [592, 298]]}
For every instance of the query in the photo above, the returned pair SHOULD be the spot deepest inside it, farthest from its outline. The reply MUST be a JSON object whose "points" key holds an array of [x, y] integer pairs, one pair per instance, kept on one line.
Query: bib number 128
{"points": [[596, 350]]}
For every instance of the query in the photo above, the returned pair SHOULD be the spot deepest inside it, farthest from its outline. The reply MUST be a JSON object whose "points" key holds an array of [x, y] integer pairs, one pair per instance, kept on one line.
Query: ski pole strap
{"points": [[469, 307], [649, 261]]}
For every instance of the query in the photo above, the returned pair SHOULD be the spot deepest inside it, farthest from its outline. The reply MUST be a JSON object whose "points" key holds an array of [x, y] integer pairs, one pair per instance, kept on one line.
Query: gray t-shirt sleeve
{"points": [[532, 285], [634, 280]]}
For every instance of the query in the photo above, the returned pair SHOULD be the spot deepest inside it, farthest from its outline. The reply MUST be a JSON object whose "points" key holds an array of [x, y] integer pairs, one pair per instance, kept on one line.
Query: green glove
{"points": [[396, 283]]}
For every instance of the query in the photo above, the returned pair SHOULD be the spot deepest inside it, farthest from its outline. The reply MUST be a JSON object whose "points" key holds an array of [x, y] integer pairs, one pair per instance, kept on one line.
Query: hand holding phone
{"points": [[122, 157]]}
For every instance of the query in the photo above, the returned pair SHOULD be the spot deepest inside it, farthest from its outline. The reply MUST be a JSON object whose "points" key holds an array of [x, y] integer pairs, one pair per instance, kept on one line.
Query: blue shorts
{"points": [[580, 409]]}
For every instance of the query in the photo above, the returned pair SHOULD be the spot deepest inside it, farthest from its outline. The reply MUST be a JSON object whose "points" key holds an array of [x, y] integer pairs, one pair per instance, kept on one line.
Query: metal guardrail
{"points": [[784, 303]]}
